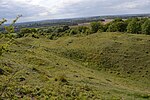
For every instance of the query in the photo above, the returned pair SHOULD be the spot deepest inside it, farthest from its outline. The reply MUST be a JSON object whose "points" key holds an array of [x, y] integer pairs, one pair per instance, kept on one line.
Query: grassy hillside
{"points": [[107, 66]]}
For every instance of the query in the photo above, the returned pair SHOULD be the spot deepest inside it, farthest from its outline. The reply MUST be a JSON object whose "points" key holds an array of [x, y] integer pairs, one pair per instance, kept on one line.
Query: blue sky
{"points": [[33, 10]]}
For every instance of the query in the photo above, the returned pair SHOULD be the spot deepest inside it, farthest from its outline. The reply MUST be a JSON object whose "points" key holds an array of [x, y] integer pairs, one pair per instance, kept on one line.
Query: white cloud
{"points": [[48, 9], [133, 4]]}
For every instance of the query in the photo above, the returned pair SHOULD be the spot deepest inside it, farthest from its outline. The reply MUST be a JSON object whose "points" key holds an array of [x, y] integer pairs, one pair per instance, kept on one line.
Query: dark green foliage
{"points": [[88, 31], [117, 20], [117, 25], [112, 28], [35, 36], [82, 29], [106, 26], [95, 26], [2, 49], [49, 30], [58, 30], [54, 36], [73, 32], [134, 26], [19, 35], [1, 71], [26, 31], [121, 26], [146, 27], [128, 20], [65, 28], [142, 20], [10, 35]]}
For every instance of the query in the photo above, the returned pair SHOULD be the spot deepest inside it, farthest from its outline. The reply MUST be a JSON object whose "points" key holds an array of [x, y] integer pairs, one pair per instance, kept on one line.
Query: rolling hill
{"points": [[101, 66]]}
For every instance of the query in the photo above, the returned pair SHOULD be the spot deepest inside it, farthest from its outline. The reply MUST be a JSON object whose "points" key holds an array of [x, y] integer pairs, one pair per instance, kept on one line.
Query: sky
{"points": [[33, 10]]}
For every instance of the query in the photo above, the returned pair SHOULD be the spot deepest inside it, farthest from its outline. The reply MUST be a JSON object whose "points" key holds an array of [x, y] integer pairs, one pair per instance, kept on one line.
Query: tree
{"points": [[112, 27], [117, 25], [95, 26], [146, 27], [121, 26], [134, 26]]}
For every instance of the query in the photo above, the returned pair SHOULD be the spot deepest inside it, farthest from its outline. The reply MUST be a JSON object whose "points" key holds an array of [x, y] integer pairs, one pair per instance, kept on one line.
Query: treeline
{"points": [[54, 32], [132, 25]]}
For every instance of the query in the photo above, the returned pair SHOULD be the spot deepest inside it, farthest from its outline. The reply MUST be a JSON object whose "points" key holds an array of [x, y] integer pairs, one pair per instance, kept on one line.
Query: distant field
{"points": [[101, 66], [88, 24]]}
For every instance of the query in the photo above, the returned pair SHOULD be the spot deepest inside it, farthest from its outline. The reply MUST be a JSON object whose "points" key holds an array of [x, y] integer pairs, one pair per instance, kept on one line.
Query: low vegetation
{"points": [[98, 62]]}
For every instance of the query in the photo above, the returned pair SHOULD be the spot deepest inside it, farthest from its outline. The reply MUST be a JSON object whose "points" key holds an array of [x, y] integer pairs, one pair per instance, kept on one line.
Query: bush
{"points": [[82, 29], [106, 26], [95, 26], [117, 25], [146, 27], [112, 28], [3, 48], [49, 30], [1, 71], [10, 35], [73, 32], [65, 28], [134, 26], [117, 20], [25, 31], [35, 36], [58, 30]]}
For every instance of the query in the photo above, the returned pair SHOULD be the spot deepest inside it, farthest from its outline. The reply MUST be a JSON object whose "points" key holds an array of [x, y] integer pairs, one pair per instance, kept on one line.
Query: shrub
{"points": [[25, 30], [112, 27], [146, 27], [1, 71], [65, 28], [95, 26], [117, 25], [106, 26], [117, 20], [49, 30], [58, 30], [73, 32], [134, 26], [35, 36], [3, 48], [82, 29], [88, 31]]}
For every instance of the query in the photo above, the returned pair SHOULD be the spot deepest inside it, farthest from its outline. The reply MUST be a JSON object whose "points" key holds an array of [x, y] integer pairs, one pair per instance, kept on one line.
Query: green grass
{"points": [[102, 66]]}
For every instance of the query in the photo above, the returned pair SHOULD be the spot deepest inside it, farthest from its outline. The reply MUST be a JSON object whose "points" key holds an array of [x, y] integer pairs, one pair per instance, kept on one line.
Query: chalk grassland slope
{"points": [[99, 66], [126, 55]]}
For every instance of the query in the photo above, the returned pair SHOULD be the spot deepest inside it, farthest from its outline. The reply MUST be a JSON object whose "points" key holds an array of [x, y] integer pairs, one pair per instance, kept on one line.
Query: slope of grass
{"points": [[99, 66]]}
